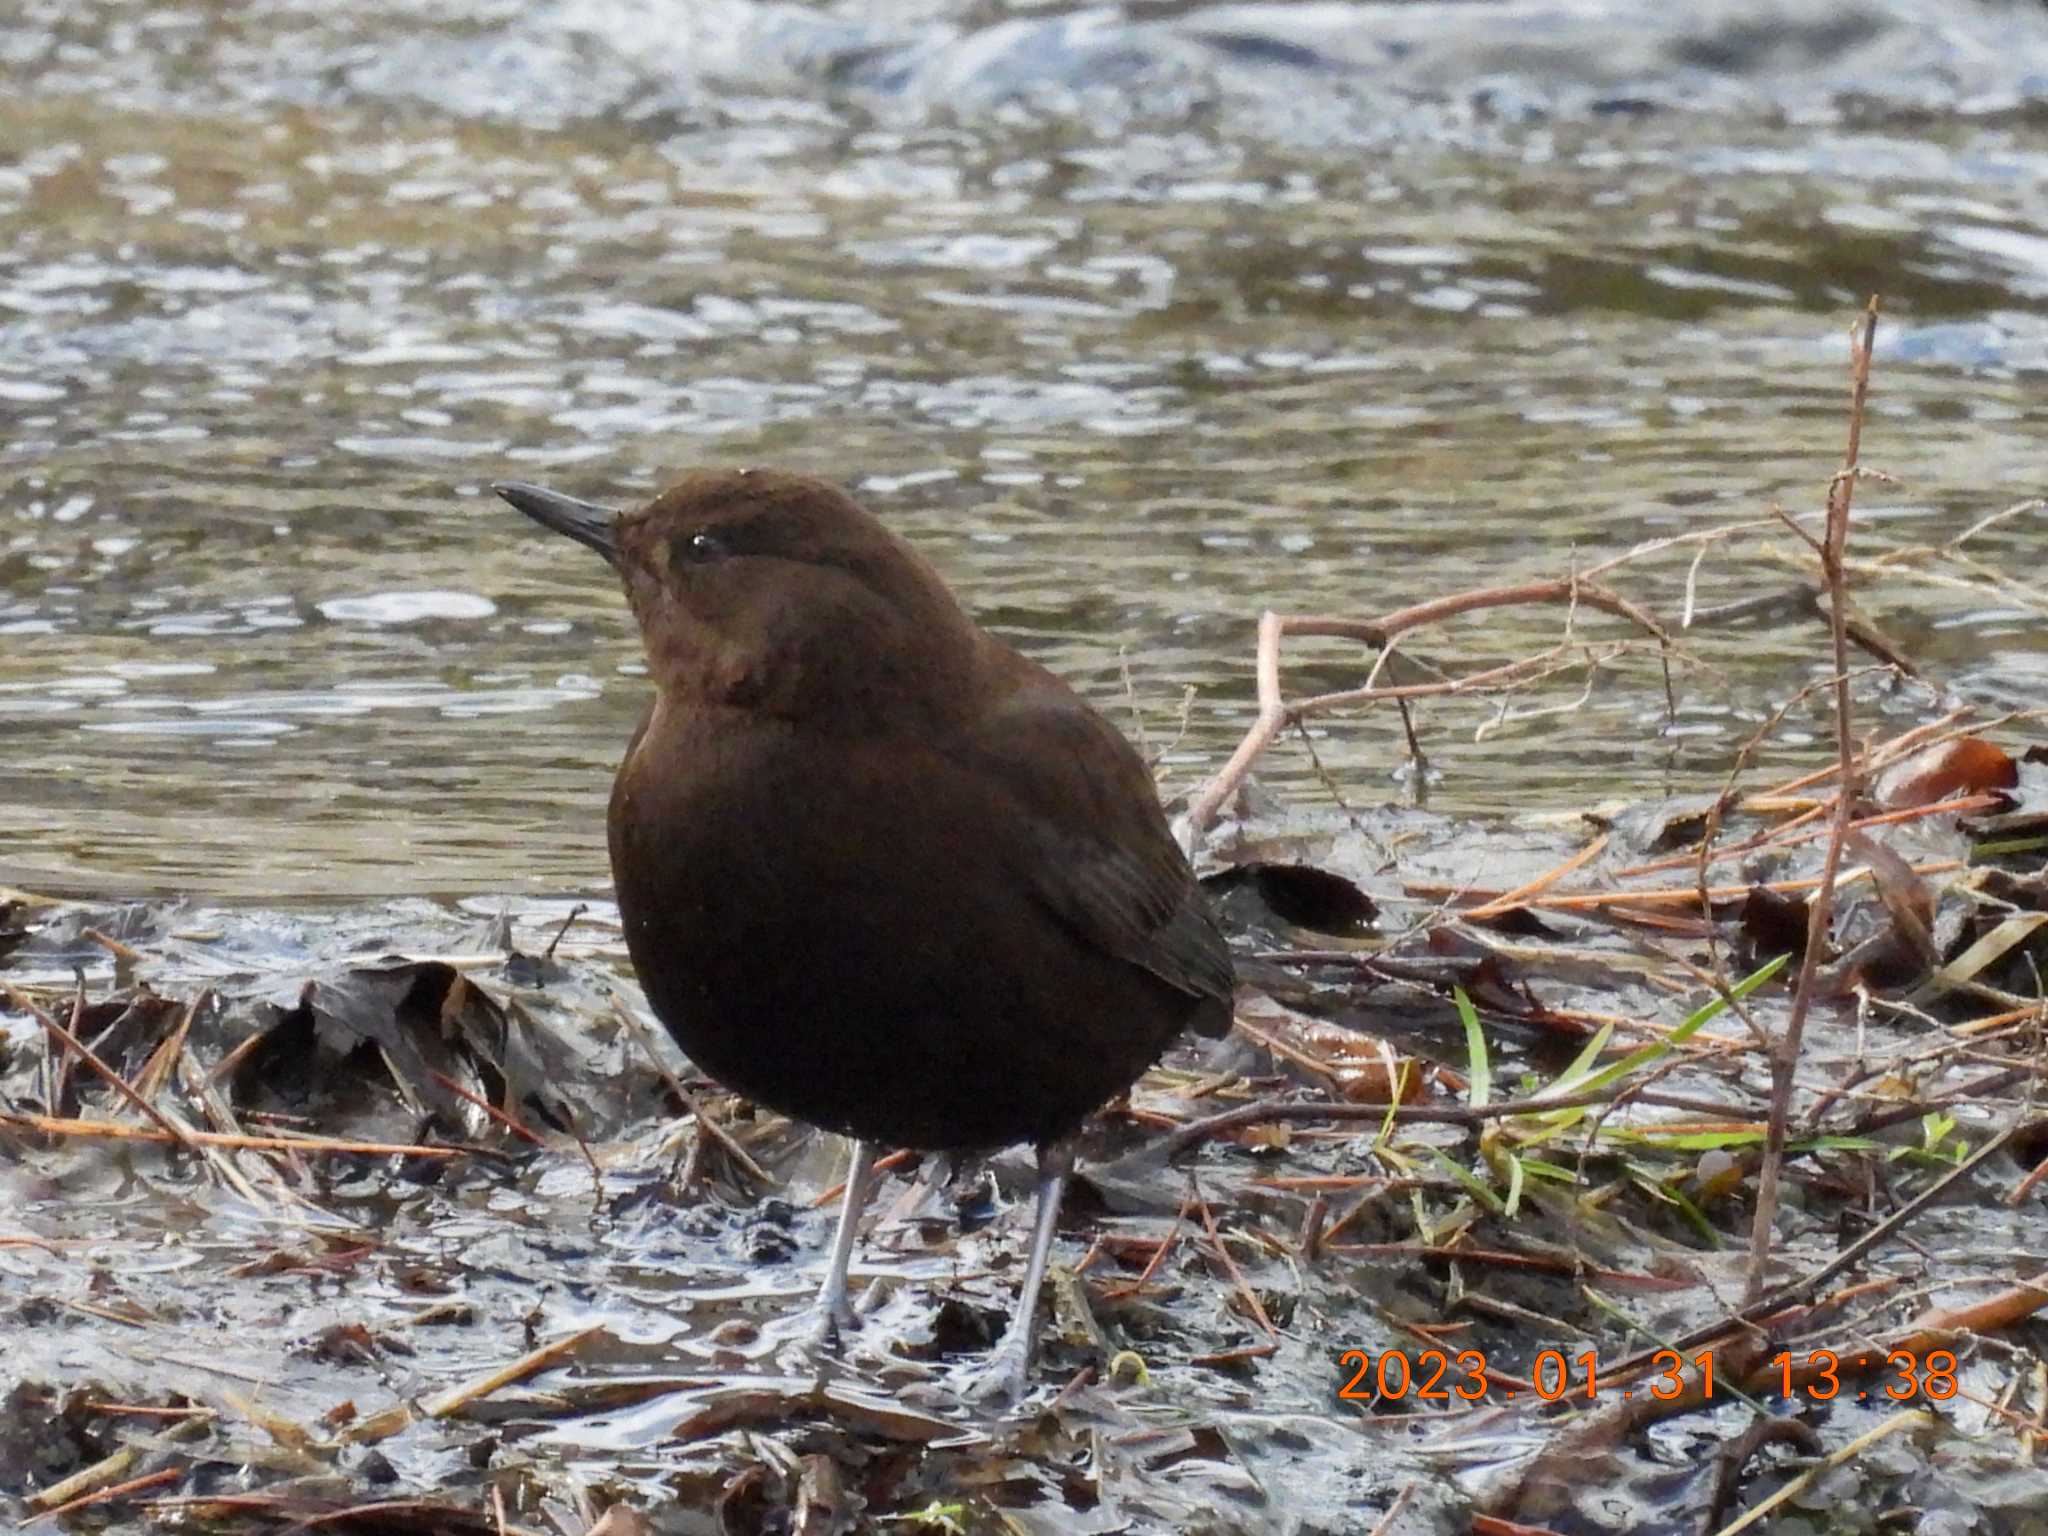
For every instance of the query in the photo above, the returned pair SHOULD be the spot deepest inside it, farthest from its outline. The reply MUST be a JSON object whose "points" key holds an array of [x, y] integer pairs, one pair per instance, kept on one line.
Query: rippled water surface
{"points": [[1138, 320]]}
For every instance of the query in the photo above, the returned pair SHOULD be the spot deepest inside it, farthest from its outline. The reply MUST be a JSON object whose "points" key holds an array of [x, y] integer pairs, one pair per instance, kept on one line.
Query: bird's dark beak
{"points": [[584, 521]]}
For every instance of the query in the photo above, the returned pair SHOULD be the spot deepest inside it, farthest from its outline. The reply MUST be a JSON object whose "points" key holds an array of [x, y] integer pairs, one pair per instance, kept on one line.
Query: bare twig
{"points": [[113, 1079], [52, 1125], [88, 1486], [1911, 1418], [1784, 1054], [1251, 1297], [1277, 712], [555, 943], [718, 1133], [1270, 1111], [1394, 1509], [455, 1399], [490, 1109]]}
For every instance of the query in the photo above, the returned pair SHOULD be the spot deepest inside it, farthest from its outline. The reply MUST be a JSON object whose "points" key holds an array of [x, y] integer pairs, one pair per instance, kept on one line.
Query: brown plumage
{"points": [[877, 869]]}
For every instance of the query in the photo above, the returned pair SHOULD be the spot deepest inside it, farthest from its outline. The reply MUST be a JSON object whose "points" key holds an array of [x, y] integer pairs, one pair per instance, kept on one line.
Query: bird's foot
{"points": [[1003, 1378], [1004, 1381], [813, 1341], [831, 1320]]}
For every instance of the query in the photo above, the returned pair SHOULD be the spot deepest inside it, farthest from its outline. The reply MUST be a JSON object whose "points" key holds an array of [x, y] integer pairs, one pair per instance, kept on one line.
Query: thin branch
{"points": [[1784, 1055]]}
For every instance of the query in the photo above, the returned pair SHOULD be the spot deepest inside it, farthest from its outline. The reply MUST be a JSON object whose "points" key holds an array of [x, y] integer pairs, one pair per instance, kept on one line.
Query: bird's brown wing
{"points": [[1094, 844]]}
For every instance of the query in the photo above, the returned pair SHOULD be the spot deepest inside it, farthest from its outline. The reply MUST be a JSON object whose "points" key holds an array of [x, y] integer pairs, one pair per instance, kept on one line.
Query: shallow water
{"points": [[1138, 321]]}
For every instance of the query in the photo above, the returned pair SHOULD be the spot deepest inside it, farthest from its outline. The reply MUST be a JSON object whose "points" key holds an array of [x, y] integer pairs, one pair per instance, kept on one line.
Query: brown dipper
{"points": [[877, 870]]}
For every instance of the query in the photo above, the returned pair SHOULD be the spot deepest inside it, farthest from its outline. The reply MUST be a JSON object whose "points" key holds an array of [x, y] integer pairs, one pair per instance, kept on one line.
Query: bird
{"points": [[877, 869]]}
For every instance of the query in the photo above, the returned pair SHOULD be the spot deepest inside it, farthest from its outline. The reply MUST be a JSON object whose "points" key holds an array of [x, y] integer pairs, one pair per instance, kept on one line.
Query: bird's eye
{"points": [[700, 549]]}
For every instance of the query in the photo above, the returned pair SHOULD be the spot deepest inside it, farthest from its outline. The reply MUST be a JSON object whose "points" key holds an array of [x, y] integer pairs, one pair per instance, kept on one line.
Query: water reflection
{"points": [[1137, 323]]}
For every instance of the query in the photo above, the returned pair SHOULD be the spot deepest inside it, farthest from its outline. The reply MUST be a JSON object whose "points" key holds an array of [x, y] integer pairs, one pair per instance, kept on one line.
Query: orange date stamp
{"points": [[1443, 1376]]}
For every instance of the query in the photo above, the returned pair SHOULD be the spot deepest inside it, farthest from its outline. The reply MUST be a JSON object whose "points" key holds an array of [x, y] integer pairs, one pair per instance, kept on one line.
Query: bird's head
{"points": [[756, 589]]}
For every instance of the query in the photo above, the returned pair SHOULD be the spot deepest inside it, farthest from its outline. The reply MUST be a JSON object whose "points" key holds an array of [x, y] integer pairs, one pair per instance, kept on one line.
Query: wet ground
{"points": [[1140, 320], [421, 1229]]}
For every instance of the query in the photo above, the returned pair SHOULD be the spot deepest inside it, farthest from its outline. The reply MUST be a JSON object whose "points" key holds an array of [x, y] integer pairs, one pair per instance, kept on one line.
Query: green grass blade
{"points": [[1636, 1060], [1479, 1070], [1473, 1186], [1582, 1064]]}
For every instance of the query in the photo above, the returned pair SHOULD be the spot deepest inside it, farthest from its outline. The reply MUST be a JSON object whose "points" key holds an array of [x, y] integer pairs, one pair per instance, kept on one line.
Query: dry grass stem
{"points": [[1784, 1054]]}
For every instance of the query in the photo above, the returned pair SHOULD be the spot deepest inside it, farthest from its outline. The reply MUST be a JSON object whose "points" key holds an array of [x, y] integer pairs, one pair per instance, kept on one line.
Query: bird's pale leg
{"points": [[860, 1184], [1012, 1363]]}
